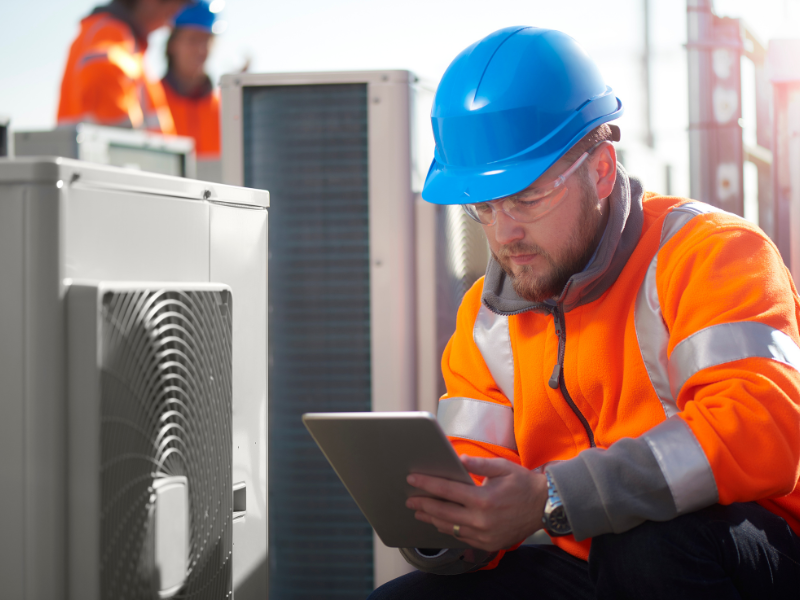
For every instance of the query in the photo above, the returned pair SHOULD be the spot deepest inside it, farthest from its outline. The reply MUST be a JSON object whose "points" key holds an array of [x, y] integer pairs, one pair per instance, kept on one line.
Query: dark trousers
{"points": [[736, 551]]}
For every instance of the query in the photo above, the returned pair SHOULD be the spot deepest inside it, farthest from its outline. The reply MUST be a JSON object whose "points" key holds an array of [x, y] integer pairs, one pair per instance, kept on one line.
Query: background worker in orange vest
{"points": [[192, 99], [104, 81], [625, 376]]}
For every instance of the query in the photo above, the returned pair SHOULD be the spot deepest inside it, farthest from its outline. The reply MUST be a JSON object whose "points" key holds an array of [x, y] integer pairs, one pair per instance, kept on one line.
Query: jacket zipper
{"points": [[557, 378]]}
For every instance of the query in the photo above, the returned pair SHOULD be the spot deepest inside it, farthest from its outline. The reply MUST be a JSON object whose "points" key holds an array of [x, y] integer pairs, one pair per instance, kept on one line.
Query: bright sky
{"points": [[420, 35]]}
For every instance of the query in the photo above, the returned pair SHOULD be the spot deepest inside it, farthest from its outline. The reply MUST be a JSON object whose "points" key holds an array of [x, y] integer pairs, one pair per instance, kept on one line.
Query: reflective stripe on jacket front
{"points": [[678, 387]]}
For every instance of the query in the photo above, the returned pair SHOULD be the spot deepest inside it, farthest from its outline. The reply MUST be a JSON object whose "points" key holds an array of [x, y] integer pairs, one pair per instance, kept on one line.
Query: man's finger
{"points": [[466, 534], [446, 511], [488, 467], [453, 491]]}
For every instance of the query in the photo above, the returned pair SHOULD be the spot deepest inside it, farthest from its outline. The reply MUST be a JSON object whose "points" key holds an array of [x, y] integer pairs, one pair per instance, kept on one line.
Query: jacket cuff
{"points": [[614, 490], [580, 497]]}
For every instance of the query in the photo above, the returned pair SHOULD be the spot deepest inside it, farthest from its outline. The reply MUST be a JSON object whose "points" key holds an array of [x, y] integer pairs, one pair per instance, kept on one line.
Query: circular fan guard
{"points": [[166, 410]]}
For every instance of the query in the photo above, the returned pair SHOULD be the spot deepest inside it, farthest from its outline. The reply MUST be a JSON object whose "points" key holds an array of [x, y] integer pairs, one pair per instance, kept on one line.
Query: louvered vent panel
{"points": [[166, 411], [307, 145]]}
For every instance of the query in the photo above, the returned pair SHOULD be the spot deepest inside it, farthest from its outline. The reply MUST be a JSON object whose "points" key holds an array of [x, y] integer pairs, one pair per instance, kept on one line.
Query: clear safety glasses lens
{"points": [[529, 205]]}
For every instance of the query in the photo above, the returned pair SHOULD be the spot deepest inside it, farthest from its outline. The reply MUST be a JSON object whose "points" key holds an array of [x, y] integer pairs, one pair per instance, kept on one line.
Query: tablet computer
{"points": [[373, 453]]}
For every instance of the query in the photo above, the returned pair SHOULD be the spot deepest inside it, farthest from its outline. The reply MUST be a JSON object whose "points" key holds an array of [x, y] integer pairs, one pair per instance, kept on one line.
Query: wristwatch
{"points": [[554, 518]]}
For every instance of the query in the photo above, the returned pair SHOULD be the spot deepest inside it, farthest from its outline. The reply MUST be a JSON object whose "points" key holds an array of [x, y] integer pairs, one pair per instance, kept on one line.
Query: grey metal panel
{"points": [[59, 142], [110, 234], [51, 169], [12, 384], [145, 150], [45, 408], [83, 529], [238, 256]]}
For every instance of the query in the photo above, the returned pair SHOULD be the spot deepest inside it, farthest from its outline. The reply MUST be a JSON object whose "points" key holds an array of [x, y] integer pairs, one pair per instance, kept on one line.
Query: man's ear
{"points": [[604, 169]]}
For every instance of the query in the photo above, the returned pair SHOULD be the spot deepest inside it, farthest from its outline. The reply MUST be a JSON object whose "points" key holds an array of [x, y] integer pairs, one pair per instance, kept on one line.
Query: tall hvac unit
{"points": [[6, 139], [130, 148], [715, 107], [356, 324], [132, 366], [785, 76]]}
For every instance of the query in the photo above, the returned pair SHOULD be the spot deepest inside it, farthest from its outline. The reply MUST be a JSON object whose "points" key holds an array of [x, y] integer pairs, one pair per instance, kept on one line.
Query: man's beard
{"points": [[583, 240]]}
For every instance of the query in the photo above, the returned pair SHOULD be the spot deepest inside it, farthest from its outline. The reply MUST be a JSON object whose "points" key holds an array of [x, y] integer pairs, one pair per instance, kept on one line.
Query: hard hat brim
{"points": [[452, 184]]}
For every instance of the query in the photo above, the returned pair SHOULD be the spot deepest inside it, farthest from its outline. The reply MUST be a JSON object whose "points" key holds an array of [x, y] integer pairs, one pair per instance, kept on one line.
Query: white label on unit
{"points": [[722, 60], [726, 102], [727, 181]]}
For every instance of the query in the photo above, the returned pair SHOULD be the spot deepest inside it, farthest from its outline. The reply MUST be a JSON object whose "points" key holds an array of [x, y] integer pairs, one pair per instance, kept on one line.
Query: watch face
{"points": [[557, 522]]}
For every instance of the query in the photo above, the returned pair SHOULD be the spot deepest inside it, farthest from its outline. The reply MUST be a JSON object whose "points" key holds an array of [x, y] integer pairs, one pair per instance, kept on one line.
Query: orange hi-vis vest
{"points": [[663, 380], [104, 80], [196, 116]]}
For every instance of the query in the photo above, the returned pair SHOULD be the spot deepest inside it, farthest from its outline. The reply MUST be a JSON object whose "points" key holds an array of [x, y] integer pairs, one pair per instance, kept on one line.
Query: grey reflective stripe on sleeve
{"points": [[86, 58], [651, 331], [493, 339], [727, 342], [684, 465], [478, 420]]}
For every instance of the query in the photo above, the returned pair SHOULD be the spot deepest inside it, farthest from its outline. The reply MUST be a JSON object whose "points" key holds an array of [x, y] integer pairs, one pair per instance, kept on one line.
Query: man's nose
{"points": [[506, 229]]}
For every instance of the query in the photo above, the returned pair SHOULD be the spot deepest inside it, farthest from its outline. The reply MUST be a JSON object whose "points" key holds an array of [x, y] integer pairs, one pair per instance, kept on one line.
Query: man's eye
{"points": [[532, 199], [483, 208], [528, 203], [522, 204]]}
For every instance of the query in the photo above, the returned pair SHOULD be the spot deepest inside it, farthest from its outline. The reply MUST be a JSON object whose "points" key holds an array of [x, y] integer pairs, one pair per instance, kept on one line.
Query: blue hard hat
{"points": [[197, 15], [507, 108]]}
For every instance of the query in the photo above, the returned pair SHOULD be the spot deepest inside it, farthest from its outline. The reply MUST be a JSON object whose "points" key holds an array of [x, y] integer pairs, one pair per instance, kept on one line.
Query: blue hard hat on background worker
{"points": [[198, 15], [507, 108]]}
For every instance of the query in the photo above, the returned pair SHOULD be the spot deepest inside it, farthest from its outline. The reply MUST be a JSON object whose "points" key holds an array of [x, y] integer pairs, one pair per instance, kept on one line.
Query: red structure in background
{"points": [[718, 151]]}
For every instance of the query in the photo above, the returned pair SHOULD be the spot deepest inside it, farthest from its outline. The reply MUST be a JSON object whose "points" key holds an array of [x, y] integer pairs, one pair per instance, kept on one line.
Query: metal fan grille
{"points": [[307, 144], [166, 411]]}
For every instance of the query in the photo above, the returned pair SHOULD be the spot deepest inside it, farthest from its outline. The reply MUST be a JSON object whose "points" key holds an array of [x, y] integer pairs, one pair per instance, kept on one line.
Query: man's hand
{"points": [[506, 509]]}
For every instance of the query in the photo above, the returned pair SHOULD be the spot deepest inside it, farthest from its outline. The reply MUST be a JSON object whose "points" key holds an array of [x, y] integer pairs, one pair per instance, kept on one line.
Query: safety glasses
{"points": [[531, 204]]}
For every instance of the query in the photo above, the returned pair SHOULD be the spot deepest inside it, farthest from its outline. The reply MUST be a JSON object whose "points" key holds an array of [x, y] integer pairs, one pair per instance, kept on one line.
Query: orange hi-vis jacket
{"points": [[104, 80], [664, 379], [195, 115]]}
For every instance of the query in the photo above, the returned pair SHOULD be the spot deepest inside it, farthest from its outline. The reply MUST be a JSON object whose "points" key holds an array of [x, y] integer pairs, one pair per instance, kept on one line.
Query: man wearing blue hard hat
{"points": [[192, 98], [624, 377]]}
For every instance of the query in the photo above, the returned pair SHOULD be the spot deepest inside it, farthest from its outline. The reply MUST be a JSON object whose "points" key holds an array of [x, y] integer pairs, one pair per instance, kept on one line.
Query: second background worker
{"points": [[191, 96]]}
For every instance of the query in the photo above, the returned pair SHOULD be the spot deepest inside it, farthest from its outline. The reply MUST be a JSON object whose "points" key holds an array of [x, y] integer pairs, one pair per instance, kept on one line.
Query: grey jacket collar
{"points": [[621, 236], [172, 81]]}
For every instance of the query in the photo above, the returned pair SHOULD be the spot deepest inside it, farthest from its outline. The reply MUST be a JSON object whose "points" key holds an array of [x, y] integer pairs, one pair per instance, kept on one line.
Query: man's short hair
{"points": [[603, 133]]}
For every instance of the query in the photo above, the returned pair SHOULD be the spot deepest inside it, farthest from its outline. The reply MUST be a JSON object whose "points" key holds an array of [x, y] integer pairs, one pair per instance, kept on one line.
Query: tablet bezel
{"points": [[373, 453]]}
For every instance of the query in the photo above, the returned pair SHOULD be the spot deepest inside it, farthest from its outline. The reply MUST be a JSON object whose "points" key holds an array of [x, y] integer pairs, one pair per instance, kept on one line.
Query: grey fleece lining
{"points": [[621, 235]]}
